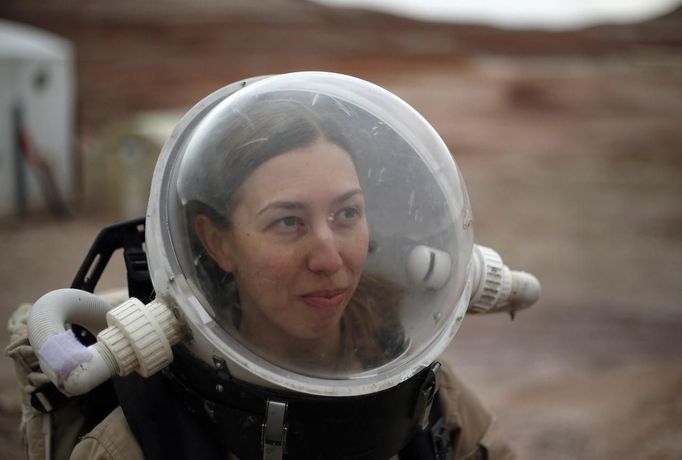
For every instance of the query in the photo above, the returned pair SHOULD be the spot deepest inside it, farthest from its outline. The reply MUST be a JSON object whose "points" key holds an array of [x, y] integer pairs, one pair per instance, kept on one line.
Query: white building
{"points": [[37, 94]]}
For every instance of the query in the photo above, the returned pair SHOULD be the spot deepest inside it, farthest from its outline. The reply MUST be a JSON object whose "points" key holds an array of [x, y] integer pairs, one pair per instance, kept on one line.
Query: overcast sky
{"points": [[545, 14]]}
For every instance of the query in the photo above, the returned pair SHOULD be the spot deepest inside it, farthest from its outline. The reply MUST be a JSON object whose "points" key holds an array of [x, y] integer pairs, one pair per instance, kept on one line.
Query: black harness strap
{"points": [[434, 442], [161, 421]]}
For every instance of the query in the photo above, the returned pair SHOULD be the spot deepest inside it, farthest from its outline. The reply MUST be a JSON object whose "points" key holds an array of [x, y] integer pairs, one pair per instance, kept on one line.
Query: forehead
{"points": [[317, 171]]}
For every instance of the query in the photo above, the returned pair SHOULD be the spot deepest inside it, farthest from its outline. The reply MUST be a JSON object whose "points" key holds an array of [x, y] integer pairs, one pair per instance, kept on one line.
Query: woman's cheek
{"points": [[360, 248], [276, 268]]}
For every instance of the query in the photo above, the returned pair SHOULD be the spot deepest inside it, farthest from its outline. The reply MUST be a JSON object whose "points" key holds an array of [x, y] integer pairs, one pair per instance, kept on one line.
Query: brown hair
{"points": [[371, 329]]}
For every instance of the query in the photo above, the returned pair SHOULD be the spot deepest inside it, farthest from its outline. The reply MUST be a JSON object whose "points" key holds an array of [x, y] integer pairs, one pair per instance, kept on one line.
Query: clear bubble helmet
{"points": [[413, 284]]}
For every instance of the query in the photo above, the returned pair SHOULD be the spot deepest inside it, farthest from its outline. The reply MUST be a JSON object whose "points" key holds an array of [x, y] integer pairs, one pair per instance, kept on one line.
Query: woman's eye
{"points": [[348, 214], [288, 223]]}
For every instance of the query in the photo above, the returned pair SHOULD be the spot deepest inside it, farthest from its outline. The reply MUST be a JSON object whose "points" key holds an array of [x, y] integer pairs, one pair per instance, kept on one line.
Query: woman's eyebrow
{"points": [[345, 196], [288, 205], [297, 205]]}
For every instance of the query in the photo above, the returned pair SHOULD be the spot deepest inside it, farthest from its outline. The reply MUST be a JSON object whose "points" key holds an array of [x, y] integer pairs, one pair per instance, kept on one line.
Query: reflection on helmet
{"points": [[294, 207]]}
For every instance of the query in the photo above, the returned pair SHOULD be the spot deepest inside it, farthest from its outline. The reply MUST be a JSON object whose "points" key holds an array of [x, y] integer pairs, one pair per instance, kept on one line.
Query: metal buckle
{"points": [[274, 430], [427, 392]]}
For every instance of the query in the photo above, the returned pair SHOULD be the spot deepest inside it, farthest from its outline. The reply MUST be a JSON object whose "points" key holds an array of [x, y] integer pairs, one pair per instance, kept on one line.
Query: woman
{"points": [[277, 223]]}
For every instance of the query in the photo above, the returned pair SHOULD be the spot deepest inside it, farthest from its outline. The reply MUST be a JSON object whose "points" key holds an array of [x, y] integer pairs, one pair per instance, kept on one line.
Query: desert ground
{"points": [[574, 171]]}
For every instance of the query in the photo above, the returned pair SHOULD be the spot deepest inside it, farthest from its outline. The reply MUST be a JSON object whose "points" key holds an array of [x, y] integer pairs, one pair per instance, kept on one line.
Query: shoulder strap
{"points": [[51, 423], [434, 442], [160, 420]]}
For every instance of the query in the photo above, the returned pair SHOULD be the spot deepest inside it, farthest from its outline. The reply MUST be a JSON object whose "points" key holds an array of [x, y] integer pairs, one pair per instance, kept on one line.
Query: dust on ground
{"points": [[574, 173]]}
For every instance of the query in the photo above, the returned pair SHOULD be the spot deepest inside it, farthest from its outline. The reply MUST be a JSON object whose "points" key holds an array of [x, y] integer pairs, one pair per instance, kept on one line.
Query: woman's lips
{"points": [[325, 299]]}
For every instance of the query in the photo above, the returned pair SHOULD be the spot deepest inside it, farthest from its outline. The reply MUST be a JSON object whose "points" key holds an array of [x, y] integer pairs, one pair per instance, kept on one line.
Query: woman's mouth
{"points": [[325, 299]]}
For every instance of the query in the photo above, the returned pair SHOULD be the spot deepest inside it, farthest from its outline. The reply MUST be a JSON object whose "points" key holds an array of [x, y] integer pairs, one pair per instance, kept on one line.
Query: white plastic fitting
{"points": [[496, 288], [139, 337]]}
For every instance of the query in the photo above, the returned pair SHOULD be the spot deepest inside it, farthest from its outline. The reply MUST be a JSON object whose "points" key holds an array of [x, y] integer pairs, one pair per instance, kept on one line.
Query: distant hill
{"points": [[138, 55]]}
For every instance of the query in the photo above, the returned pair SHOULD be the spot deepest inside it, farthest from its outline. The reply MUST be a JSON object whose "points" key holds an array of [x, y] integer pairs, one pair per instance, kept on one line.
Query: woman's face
{"points": [[296, 245]]}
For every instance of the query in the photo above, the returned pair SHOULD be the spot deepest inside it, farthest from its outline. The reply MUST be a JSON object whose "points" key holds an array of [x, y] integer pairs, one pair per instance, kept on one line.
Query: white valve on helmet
{"points": [[496, 288]]}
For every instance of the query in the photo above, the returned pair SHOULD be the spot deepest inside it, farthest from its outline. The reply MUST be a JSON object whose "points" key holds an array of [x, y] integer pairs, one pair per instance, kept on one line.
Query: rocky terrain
{"points": [[570, 146]]}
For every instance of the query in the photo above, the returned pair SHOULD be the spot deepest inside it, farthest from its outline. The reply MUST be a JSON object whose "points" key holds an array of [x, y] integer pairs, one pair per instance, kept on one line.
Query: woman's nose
{"points": [[324, 255]]}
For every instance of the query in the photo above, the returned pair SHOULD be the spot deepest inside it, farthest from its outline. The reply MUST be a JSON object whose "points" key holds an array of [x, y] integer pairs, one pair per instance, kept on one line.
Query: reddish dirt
{"points": [[574, 171]]}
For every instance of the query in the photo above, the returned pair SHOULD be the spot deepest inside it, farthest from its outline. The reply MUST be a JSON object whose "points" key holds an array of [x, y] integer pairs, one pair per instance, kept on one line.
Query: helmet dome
{"points": [[347, 187]]}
